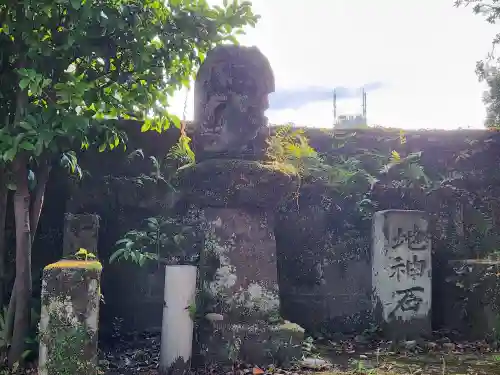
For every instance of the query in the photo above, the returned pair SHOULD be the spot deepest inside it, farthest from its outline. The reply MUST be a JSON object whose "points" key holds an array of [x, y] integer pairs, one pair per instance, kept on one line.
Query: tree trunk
{"points": [[35, 212], [9, 319], [42, 176], [3, 214], [22, 284]]}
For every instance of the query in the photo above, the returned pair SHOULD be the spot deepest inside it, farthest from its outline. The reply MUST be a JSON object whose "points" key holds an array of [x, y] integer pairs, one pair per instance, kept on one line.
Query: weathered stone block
{"points": [[260, 343], [279, 344], [69, 318], [80, 231], [233, 183], [401, 273], [240, 286], [239, 264]]}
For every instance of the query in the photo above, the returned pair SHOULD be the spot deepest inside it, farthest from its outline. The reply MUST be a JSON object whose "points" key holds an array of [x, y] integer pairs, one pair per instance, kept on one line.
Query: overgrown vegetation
{"points": [[487, 69], [161, 239], [357, 174], [69, 72]]}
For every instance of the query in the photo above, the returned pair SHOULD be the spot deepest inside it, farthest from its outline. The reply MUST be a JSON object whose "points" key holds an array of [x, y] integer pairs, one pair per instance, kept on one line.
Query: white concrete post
{"points": [[177, 325]]}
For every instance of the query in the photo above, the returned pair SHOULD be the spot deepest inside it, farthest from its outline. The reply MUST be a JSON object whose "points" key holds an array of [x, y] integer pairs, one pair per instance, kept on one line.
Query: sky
{"points": [[416, 59]]}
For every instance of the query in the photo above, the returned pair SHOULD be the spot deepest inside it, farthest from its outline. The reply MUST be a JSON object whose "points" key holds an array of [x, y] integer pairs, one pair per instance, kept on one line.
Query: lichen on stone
{"points": [[257, 299], [65, 340], [76, 264], [69, 317]]}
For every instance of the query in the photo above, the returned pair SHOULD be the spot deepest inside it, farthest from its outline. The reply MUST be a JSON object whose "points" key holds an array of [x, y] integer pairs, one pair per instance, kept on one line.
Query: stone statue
{"points": [[236, 192], [231, 96]]}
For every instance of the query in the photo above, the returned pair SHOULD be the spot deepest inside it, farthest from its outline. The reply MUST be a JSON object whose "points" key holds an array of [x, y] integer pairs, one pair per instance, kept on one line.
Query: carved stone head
{"points": [[231, 96]]}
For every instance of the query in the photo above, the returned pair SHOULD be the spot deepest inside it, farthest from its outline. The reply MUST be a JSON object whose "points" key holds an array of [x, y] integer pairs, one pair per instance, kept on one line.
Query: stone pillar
{"points": [[401, 273], [69, 318], [244, 241], [238, 265], [80, 231], [237, 192]]}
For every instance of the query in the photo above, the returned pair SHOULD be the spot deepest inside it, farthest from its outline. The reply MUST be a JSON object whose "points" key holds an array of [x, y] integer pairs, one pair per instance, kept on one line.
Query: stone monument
{"points": [[80, 231], [235, 196], [231, 94], [69, 318], [401, 273]]}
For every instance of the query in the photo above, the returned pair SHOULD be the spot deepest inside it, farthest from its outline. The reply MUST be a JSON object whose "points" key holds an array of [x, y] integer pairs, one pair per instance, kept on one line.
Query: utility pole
{"points": [[334, 107]]}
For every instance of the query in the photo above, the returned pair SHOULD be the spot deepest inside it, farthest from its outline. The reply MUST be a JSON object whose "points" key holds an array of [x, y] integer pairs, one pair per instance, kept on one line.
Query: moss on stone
{"points": [[237, 183], [93, 265], [66, 339], [289, 326], [69, 319]]}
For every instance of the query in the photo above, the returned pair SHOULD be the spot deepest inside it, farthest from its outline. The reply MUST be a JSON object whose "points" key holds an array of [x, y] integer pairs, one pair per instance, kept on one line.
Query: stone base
{"points": [[259, 344]]}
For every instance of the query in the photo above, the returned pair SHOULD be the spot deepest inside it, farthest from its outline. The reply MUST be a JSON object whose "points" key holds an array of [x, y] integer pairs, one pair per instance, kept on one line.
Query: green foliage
{"points": [[72, 70], [31, 341], [290, 148], [163, 170], [65, 338], [181, 152], [84, 254], [487, 69], [160, 239], [192, 311], [4, 330], [73, 67]]}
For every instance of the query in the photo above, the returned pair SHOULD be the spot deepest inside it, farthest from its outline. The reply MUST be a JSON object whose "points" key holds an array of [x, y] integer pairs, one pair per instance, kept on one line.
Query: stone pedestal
{"points": [[239, 291], [80, 231], [243, 242], [401, 273], [69, 318], [238, 197], [239, 276]]}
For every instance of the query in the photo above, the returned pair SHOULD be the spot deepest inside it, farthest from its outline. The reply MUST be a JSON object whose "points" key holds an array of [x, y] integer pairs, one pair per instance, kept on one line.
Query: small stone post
{"points": [[69, 318], [401, 273], [80, 231]]}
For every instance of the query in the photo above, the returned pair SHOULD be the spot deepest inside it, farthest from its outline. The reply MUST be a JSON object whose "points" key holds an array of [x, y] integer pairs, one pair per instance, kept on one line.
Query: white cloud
{"points": [[423, 51]]}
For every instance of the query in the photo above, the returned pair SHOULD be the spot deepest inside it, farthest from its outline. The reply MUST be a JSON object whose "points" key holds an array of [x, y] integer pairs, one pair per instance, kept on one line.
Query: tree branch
{"points": [[39, 195]]}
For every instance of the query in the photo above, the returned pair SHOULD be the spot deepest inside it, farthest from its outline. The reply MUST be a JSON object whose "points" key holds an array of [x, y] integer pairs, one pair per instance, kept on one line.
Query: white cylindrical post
{"points": [[177, 325]]}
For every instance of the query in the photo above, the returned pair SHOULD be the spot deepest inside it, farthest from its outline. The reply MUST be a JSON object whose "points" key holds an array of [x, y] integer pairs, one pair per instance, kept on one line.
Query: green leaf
{"points": [[27, 146], [116, 255], [10, 154], [76, 4], [176, 121], [23, 83], [25, 125], [146, 126]]}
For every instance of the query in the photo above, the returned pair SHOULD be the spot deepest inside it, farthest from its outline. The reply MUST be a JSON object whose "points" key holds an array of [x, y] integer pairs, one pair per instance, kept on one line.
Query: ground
{"points": [[432, 358], [463, 359], [347, 356]]}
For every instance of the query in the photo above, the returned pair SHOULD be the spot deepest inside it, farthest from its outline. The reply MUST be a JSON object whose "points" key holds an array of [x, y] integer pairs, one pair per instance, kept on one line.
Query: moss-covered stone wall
{"points": [[322, 237]]}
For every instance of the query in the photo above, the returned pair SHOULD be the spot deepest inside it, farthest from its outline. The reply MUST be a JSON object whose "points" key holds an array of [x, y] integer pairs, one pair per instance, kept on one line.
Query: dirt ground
{"points": [[393, 364]]}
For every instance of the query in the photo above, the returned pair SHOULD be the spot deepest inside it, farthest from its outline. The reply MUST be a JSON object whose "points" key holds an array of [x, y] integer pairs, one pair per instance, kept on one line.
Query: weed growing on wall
{"points": [[160, 239]]}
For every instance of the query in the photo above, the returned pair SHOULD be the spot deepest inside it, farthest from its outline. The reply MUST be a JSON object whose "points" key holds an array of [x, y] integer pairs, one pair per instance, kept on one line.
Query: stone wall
{"points": [[323, 242]]}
